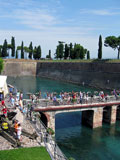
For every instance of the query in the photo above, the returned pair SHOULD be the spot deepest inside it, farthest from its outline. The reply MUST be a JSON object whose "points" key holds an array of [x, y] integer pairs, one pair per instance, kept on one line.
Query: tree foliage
{"points": [[0, 50], [1, 65], [59, 50], [4, 49], [37, 52], [113, 42], [66, 53], [16, 56], [30, 50], [100, 47], [49, 55], [61, 47], [13, 46], [88, 54], [22, 50], [76, 52]]}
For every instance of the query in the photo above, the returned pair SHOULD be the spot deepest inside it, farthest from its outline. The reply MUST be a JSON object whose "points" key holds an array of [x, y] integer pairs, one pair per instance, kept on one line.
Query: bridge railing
{"points": [[51, 146], [58, 102]]}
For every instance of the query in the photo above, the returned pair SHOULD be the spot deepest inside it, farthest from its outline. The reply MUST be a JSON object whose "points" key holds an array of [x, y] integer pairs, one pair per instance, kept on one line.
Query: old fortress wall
{"points": [[97, 74]]}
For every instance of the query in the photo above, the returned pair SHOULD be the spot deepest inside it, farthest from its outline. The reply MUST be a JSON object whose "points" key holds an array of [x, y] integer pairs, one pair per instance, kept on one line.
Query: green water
{"points": [[75, 140], [35, 84]]}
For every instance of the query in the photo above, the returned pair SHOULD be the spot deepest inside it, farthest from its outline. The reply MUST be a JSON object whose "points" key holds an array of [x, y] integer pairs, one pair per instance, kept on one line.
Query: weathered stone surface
{"points": [[97, 118], [25, 142], [110, 114], [93, 74], [113, 114]]}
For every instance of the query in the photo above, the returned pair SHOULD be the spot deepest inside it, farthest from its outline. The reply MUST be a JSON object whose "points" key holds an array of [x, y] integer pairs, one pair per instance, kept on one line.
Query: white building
{"points": [[3, 85]]}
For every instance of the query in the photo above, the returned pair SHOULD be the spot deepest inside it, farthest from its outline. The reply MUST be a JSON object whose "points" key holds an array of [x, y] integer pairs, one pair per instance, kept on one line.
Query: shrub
{"points": [[50, 131]]}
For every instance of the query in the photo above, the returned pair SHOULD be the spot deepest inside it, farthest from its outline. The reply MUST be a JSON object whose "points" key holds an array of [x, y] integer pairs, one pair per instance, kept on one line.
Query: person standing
{"points": [[16, 126], [4, 110], [19, 132]]}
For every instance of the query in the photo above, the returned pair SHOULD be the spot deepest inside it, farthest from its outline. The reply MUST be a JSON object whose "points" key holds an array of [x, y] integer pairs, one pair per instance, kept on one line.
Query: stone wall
{"points": [[92, 74], [19, 68]]}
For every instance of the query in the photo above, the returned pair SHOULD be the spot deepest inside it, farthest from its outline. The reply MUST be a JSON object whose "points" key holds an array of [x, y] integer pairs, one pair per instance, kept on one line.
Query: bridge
{"points": [[94, 113]]}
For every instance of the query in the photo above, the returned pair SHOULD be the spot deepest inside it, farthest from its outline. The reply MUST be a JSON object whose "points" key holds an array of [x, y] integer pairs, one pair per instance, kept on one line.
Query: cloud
{"points": [[37, 19], [102, 12]]}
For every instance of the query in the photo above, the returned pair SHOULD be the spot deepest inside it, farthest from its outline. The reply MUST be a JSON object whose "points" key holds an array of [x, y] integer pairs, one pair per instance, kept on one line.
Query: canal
{"points": [[75, 140]]}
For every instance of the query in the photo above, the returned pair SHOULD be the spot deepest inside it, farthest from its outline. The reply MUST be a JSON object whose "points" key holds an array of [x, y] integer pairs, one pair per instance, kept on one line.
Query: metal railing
{"points": [[50, 144], [47, 103]]}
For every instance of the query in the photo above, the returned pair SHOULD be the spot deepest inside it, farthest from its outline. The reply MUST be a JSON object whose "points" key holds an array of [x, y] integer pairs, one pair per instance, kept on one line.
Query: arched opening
{"points": [[43, 118], [118, 113], [107, 114], [87, 118]]}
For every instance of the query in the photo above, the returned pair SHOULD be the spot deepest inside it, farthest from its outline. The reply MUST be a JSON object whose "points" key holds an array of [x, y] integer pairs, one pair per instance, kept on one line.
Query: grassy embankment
{"points": [[35, 153], [66, 61]]}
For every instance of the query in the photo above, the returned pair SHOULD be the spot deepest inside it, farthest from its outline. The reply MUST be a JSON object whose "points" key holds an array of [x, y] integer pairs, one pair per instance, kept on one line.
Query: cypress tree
{"points": [[49, 54], [71, 51], [13, 46], [88, 55], [4, 49], [22, 50], [66, 53], [35, 53], [30, 50], [16, 54], [38, 52], [61, 47], [57, 52], [100, 47]]}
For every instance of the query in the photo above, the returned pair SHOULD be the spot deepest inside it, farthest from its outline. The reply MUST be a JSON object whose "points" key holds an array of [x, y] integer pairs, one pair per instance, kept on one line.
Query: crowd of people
{"points": [[74, 97], [14, 102]]}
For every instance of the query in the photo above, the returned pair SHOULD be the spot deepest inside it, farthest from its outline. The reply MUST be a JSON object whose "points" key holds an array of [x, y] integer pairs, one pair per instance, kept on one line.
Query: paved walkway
{"points": [[26, 125]]}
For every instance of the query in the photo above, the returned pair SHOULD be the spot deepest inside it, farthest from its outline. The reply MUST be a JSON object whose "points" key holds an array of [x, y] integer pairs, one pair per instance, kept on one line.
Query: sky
{"points": [[45, 22]]}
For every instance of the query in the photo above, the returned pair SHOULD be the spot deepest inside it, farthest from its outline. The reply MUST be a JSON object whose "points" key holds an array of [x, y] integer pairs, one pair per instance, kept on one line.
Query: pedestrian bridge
{"points": [[93, 113]]}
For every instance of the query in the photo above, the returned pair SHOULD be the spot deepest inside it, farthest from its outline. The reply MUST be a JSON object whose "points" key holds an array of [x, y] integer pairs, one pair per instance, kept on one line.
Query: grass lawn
{"points": [[34, 153]]}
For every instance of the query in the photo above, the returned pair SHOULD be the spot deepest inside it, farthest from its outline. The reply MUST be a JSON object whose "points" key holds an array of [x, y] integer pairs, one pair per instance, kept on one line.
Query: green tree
{"points": [[77, 51], [16, 56], [66, 53], [26, 50], [0, 50], [113, 42], [35, 53], [61, 48], [71, 51], [49, 55], [30, 50], [100, 47], [57, 52], [88, 55], [4, 49], [22, 50], [13, 46], [1, 65], [38, 52], [83, 52], [18, 48]]}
